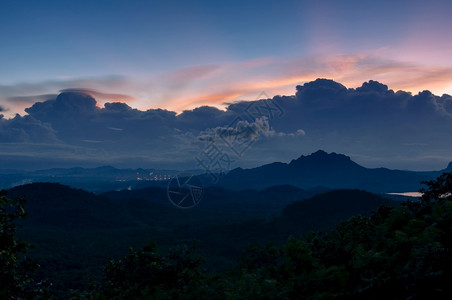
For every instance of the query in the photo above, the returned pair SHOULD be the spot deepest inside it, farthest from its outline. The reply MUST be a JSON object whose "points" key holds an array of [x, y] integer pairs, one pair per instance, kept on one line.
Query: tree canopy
{"points": [[399, 253], [16, 269]]}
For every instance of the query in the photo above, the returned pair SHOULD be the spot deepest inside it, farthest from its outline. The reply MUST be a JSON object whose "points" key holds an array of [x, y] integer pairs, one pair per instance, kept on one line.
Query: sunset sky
{"points": [[183, 54]]}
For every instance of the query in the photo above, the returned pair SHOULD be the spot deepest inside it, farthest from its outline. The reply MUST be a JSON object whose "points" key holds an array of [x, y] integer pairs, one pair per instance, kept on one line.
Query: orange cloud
{"points": [[245, 80], [214, 99], [248, 80]]}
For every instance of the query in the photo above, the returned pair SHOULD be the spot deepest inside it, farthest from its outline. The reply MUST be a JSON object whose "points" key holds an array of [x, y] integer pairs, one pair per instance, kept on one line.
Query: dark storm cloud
{"points": [[204, 117], [20, 95], [446, 102], [26, 130], [117, 107], [373, 108], [369, 121], [76, 118]]}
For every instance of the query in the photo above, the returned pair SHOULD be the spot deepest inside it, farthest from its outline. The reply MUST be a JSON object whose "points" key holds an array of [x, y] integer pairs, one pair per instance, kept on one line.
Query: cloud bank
{"points": [[374, 124], [191, 87]]}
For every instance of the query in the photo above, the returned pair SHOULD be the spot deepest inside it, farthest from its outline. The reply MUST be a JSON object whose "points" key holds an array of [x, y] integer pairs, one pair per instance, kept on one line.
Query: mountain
{"points": [[330, 170], [320, 169], [75, 231], [54, 204], [324, 211], [254, 203]]}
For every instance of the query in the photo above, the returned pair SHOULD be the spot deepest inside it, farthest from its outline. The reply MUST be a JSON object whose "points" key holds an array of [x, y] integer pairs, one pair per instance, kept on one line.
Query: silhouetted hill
{"points": [[100, 179], [333, 171], [320, 212], [324, 211], [59, 205], [268, 202], [54, 204], [75, 231]]}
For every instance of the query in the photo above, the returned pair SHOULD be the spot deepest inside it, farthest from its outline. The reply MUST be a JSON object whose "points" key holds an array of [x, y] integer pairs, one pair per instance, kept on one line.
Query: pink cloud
{"points": [[245, 80], [242, 80]]}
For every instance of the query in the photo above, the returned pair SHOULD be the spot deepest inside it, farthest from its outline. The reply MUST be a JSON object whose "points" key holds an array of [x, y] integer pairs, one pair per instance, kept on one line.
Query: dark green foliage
{"points": [[439, 189], [148, 274], [399, 253], [396, 252], [16, 269], [75, 232], [326, 210]]}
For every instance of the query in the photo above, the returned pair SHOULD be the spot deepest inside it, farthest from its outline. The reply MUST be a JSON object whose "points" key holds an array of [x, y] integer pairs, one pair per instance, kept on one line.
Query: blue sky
{"points": [[182, 54]]}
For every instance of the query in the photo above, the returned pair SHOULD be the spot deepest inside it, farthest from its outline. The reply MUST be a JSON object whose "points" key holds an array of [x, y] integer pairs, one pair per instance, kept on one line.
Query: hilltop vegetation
{"points": [[369, 247], [398, 253]]}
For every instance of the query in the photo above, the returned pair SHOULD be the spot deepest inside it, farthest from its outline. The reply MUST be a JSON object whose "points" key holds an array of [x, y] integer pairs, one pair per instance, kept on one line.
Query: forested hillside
{"points": [[339, 244]]}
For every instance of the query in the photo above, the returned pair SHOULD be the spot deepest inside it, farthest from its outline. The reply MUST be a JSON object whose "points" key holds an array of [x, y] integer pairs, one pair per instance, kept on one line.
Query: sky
{"points": [[182, 54], [63, 65]]}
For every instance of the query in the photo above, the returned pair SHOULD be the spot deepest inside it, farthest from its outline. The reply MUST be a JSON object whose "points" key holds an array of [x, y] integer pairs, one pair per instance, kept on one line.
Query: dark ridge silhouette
{"points": [[320, 169], [55, 204], [333, 171], [324, 211], [71, 227]]}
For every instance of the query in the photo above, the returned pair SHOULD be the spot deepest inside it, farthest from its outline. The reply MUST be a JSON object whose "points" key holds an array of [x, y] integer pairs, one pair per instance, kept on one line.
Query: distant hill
{"points": [[333, 171], [326, 210], [264, 203], [320, 169], [75, 231], [296, 210], [54, 204], [99, 179]]}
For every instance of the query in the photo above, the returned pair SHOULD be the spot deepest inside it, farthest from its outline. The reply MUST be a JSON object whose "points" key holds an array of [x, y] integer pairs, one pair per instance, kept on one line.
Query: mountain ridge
{"points": [[331, 170]]}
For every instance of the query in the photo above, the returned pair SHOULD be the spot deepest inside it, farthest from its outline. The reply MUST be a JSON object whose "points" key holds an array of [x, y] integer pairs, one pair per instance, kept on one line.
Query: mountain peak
{"points": [[322, 156], [319, 153], [322, 169]]}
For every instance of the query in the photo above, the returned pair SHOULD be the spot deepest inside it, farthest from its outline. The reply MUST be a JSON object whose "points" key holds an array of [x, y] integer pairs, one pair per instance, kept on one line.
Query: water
{"points": [[408, 194]]}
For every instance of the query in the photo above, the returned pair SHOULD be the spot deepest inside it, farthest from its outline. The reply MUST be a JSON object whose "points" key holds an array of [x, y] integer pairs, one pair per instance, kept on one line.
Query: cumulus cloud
{"points": [[204, 117], [21, 95], [246, 79], [370, 120], [187, 88], [240, 130], [26, 130]]}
